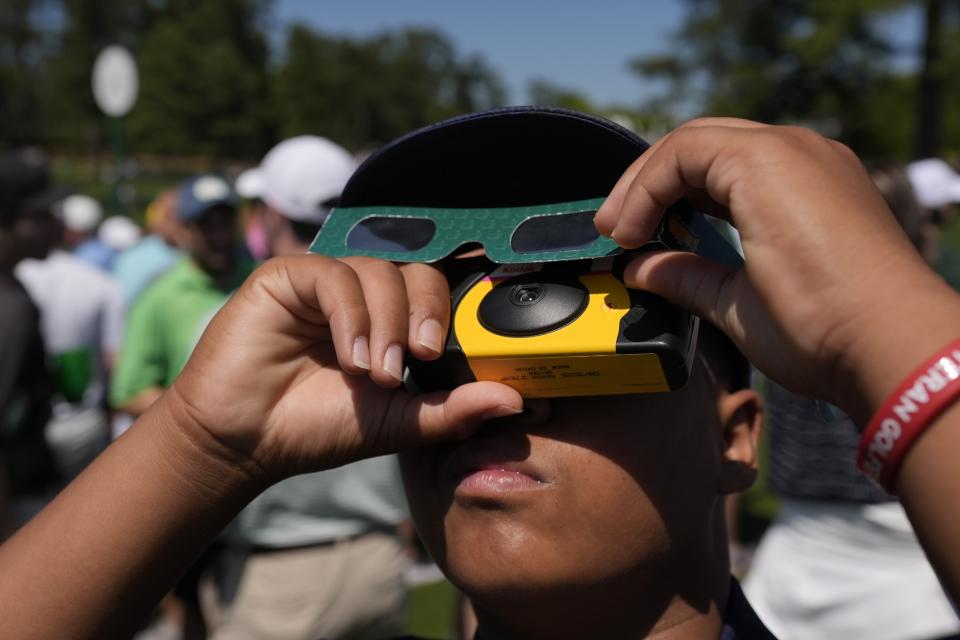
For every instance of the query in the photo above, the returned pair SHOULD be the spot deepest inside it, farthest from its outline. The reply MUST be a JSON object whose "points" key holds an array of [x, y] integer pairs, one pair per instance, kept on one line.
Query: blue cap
{"points": [[199, 194]]}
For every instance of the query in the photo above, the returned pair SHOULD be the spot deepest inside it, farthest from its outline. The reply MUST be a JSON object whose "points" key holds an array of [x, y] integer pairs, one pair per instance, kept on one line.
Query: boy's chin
{"points": [[511, 587], [511, 577]]}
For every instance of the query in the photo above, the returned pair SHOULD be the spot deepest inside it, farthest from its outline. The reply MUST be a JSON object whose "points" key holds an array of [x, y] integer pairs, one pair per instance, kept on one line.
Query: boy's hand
{"points": [[828, 300], [300, 370]]}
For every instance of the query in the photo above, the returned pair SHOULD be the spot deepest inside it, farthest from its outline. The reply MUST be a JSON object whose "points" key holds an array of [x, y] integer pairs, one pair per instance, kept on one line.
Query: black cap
{"points": [[501, 158], [25, 184]]}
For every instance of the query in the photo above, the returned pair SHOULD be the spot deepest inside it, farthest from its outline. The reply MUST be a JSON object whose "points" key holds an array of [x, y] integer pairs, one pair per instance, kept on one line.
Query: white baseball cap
{"points": [[298, 176], [81, 213], [934, 182], [119, 233]]}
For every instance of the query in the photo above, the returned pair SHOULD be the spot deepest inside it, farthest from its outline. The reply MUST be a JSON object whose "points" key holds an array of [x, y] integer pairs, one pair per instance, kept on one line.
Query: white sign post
{"points": [[115, 81], [115, 85]]}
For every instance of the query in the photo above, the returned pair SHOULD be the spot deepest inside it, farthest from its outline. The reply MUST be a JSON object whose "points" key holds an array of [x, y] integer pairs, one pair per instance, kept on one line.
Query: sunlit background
{"points": [[220, 82]]}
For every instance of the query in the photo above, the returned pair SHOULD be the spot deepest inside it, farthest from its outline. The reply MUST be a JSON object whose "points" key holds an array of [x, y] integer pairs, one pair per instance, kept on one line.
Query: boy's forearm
{"points": [[95, 562], [929, 488]]}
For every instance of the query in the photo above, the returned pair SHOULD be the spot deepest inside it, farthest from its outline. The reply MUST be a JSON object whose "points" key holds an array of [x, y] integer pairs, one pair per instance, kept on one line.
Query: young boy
{"points": [[582, 517], [296, 373]]}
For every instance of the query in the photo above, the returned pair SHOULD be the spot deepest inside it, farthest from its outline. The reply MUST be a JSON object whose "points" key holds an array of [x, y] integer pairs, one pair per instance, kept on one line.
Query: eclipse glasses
{"points": [[541, 233]]}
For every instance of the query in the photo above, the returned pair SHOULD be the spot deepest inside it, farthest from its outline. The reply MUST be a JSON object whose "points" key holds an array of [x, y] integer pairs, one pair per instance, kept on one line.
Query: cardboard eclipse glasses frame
{"points": [[510, 235]]}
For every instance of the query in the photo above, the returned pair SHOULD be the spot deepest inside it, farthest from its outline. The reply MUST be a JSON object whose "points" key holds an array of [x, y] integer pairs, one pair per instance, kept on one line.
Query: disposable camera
{"points": [[568, 328]]}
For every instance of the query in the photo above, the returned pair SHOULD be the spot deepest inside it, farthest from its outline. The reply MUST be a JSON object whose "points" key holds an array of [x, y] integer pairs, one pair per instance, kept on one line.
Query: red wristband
{"points": [[909, 410]]}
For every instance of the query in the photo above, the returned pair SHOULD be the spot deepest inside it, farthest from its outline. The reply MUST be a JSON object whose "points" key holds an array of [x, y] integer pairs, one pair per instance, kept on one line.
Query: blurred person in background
{"points": [[28, 229], [248, 186], [138, 266], [321, 553], [81, 233], [118, 234], [841, 559], [166, 322], [81, 215], [92, 239], [295, 187], [81, 311], [937, 188], [156, 253]]}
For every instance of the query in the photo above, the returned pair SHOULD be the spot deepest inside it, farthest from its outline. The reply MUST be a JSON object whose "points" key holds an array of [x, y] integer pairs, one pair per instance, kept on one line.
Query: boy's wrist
{"points": [[907, 330], [213, 468]]}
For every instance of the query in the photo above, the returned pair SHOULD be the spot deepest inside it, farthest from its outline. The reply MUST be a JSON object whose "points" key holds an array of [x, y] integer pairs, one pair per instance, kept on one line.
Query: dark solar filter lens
{"points": [[396, 235], [555, 233]]}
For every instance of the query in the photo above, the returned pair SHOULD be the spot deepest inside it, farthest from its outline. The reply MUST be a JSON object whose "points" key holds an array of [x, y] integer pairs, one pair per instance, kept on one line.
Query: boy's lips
{"points": [[491, 468]]}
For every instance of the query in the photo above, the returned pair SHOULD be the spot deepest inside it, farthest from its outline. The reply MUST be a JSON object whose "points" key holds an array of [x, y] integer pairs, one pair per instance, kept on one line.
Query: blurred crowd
{"points": [[99, 315]]}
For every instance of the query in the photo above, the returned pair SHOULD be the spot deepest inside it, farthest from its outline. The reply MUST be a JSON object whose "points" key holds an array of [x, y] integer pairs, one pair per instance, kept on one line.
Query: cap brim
{"points": [[250, 184]]}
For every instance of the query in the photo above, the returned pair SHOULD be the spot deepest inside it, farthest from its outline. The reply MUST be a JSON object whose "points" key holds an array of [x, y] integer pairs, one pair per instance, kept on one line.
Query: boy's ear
{"points": [[741, 418]]}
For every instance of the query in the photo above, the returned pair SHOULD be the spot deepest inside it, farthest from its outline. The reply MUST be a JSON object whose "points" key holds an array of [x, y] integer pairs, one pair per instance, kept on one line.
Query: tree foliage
{"points": [[214, 83], [823, 63], [204, 82], [67, 107], [210, 85], [21, 50], [363, 92]]}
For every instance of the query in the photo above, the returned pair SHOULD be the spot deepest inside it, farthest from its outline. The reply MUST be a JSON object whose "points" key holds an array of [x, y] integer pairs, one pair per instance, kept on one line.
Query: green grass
{"points": [[433, 611]]}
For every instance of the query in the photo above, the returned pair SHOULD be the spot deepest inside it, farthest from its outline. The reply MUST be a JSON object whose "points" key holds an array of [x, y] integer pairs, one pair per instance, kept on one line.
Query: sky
{"points": [[579, 44], [583, 45]]}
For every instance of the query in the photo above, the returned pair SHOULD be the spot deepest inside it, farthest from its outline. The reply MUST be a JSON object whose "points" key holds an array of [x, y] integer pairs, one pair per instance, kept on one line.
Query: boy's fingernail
{"points": [[501, 411], [393, 361], [361, 353], [430, 335]]}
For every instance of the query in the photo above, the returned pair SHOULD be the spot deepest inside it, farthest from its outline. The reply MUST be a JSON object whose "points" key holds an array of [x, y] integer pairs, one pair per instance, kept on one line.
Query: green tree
{"points": [[937, 91], [203, 80], [546, 94], [364, 92], [818, 62], [22, 44], [72, 118]]}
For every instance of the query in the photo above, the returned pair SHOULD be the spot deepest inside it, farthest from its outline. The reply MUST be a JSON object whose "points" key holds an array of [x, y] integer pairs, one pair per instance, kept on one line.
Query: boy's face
{"points": [[613, 492]]}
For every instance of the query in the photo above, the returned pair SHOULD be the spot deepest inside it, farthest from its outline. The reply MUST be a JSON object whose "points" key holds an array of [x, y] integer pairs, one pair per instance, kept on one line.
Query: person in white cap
{"points": [[298, 182], [935, 182], [119, 233], [323, 557], [81, 216], [937, 188]]}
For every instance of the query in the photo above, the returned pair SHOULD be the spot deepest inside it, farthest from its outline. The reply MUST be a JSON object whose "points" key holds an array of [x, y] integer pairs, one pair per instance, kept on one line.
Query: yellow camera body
{"points": [[561, 329]]}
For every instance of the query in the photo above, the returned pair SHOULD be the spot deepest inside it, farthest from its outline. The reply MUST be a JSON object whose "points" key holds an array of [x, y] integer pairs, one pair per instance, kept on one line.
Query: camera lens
{"points": [[527, 306], [527, 294]]}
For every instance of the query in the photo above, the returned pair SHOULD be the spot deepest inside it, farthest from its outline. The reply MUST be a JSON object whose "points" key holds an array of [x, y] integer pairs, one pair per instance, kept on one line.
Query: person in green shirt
{"points": [[167, 321]]}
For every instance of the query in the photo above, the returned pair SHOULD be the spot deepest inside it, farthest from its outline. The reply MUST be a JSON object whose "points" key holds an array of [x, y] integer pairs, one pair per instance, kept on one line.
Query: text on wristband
{"points": [[912, 401]]}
